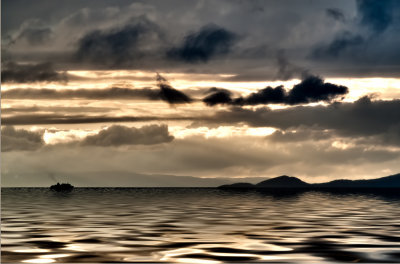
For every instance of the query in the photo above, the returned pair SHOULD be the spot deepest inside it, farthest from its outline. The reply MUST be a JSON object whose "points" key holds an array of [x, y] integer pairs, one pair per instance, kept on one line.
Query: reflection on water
{"points": [[197, 226]]}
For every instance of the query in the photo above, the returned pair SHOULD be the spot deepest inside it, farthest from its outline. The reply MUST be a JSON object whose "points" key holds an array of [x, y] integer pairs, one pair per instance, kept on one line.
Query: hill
{"points": [[392, 181], [285, 181]]}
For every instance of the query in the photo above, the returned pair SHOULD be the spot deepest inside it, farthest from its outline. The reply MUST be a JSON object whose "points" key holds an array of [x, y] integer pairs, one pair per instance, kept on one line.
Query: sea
{"points": [[198, 225]]}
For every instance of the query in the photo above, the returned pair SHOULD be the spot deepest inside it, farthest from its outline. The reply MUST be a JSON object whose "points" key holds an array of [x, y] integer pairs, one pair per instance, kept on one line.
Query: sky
{"points": [[198, 93]]}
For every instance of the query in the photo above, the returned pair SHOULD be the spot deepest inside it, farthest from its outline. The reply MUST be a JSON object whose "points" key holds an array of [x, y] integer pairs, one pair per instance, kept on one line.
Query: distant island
{"points": [[285, 181]]}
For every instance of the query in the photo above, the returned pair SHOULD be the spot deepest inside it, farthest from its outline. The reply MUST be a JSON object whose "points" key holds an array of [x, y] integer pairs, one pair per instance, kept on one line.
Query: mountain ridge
{"points": [[287, 182]]}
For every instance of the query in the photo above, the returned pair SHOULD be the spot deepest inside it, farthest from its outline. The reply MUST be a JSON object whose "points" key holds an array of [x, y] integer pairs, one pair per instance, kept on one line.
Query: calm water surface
{"points": [[197, 226]]}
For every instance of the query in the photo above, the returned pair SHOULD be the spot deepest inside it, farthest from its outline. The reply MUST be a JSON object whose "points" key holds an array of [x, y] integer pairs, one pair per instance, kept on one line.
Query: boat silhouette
{"points": [[63, 187]]}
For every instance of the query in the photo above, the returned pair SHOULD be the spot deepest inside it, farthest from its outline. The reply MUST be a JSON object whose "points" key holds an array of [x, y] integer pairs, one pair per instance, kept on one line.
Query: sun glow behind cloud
{"points": [[384, 88], [221, 131], [52, 136], [185, 131]]}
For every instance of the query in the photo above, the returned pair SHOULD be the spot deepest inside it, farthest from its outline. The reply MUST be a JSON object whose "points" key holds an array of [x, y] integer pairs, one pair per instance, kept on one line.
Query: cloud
{"points": [[300, 134], [93, 94], [34, 36], [311, 89], [121, 135], [201, 46], [160, 44], [25, 73], [218, 96], [267, 95], [335, 13], [120, 46], [24, 140], [170, 94], [20, 139], [32, 119], [343, 42], [314, 89], [32, 32], [389, 137], [376, 15], [362, 118], [357, 43], [116, 135], [311, 27], [63, 109], [286, 69], [238, 156]]}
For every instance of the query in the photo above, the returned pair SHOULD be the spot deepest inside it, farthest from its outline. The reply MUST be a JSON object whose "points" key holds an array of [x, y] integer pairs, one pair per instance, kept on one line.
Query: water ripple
{"points": [[197, 226]]}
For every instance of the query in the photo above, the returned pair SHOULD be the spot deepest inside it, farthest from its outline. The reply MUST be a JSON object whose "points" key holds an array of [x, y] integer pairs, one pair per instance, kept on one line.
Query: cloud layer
{"points": [[13, 139], [361, 118], [341, 38], [120, 135], [208, 42], [311, 89], [93, 93], [119, 47], [28, 73], [73, 114], [19, 139], [315, 159]]}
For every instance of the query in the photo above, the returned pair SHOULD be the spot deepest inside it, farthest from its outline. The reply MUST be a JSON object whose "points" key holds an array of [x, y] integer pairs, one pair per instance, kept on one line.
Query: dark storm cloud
{"points": [[218, 96], [314, 89], [20, 139], [147, 35], [344, 41], [335, 13], [358, 44], [170, 94], [208, 42], [94, 94], [267, 95], [25, 73], [119, 47], [311, 89], [215, 89], [376, 15], [361, 118], [122, 135]]}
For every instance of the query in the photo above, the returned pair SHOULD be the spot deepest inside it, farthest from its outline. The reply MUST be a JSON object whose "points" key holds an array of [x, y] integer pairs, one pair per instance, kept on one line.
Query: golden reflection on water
{"points": [[173, 255], [30, 250], [200, 261], [46, 258], [39, 260], [198, 226]]}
